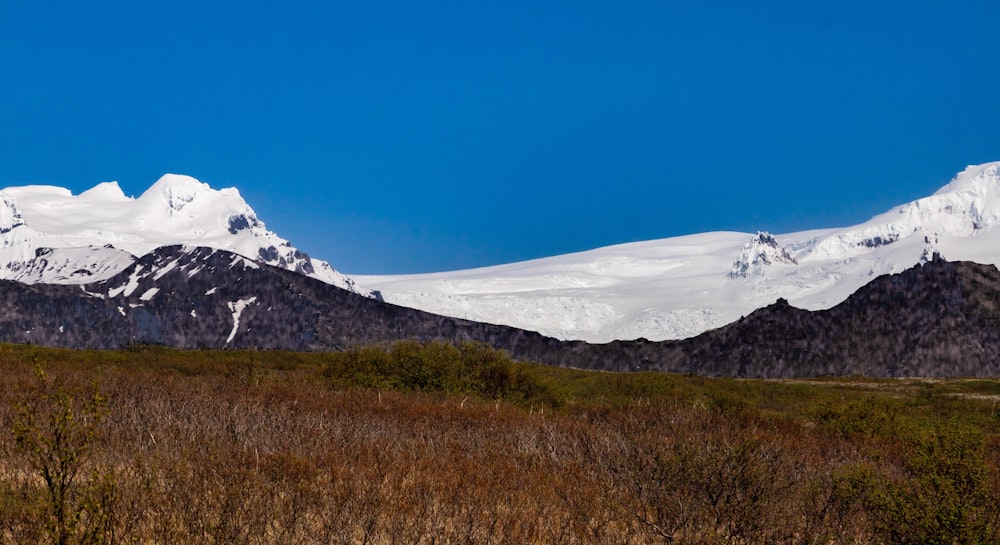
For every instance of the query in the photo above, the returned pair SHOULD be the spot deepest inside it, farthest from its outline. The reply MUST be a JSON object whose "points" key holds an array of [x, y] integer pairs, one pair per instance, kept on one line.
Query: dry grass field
{"points": [[418, 443]]}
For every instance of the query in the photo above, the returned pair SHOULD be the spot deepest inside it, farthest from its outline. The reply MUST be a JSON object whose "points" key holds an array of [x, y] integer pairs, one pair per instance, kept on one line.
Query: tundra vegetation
{"points": [[433, 443]]}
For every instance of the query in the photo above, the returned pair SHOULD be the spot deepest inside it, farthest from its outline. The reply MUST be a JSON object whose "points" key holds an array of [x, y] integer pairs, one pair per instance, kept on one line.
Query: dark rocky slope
{"points": [[188, 297], [939, 319]]}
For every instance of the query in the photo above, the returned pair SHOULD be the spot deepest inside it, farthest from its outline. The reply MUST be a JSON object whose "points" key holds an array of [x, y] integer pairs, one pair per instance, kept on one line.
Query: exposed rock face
{"points": [[10, 216], [762, 251], [202, 297], [939, 319]]}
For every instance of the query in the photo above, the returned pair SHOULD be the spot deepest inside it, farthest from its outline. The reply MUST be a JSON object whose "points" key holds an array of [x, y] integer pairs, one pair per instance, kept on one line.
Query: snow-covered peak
{"points": [[967, 206], [175, 191], [104, 192], [175, 210], [977, 179], [756, 255], [179, 183]]}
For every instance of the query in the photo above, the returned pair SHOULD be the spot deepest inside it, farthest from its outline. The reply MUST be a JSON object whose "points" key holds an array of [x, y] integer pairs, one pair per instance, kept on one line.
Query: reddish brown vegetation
{"points": [[273, 452]]}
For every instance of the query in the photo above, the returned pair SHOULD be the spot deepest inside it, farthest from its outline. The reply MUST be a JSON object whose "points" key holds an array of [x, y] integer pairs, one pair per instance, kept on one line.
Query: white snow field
{"points": [[679, 287], [49, 235]]}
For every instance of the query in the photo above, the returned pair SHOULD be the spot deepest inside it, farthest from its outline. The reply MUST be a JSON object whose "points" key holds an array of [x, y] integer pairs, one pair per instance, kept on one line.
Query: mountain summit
{"points": [[966, 207], [49, 235], [92, 288], [679, 287]]}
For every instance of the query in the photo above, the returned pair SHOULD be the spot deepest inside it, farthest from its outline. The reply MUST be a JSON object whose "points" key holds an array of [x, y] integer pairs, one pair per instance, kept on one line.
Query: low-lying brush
{"points": [[469, 368], [430, 443]]}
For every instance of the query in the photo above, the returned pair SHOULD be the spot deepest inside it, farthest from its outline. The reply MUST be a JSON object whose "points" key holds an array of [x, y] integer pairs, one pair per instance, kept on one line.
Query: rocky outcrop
{"points": [[938, 319], [759, 253]]}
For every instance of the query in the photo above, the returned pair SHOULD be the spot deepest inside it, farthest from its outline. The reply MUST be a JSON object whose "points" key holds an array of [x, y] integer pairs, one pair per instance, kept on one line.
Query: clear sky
{"points": [[390, 137]]}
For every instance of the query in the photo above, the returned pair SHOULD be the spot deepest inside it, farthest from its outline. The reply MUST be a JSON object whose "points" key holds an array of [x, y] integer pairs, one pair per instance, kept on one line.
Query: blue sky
{"points": [[390, 137]]}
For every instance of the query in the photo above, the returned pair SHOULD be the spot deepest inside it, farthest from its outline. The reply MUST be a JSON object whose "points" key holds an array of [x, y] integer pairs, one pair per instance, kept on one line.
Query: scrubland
{"points": [[429, 443]]}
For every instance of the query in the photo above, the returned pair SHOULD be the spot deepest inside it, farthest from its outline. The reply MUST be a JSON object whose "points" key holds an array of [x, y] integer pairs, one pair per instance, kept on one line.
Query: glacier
{"points": [[679, 287]]}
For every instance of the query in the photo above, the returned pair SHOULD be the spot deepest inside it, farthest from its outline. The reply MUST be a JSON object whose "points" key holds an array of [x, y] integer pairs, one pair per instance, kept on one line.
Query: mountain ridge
{"points": [[908, 311], [938, 319], [37, 221], [682, 286]]}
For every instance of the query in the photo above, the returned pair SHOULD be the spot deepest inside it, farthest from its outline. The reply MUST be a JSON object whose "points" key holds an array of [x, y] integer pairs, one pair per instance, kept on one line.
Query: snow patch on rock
{"points": [[237, 308]]}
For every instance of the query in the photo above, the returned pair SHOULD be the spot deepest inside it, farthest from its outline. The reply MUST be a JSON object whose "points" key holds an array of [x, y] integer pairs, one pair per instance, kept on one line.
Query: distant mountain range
{"points": [[48, 235], [937, 319], [199, 297], [184, 265], [680, 287]]}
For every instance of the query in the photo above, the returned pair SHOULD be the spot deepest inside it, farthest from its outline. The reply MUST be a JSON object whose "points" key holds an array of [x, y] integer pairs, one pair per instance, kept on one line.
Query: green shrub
{"points": [[943, 496], [867, 416], [56, 428], [468, 368]]}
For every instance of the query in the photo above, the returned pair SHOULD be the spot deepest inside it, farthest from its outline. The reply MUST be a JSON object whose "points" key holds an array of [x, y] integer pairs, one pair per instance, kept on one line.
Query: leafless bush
{"points": [[212, 457]]}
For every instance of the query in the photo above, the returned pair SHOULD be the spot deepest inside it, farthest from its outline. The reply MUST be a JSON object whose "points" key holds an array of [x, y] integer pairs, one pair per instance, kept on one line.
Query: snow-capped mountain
{"points": [[49, 235], [679, 287]]}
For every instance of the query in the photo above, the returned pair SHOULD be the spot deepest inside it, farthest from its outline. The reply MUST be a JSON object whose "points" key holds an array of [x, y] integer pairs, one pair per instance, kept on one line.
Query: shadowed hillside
{"points": [[938, 319]]}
